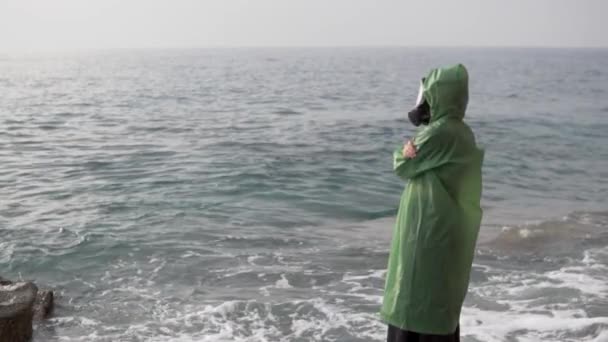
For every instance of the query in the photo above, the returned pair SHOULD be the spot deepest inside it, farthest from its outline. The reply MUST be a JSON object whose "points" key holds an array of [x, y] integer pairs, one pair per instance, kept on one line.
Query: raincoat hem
{"points": [[420, 330]]}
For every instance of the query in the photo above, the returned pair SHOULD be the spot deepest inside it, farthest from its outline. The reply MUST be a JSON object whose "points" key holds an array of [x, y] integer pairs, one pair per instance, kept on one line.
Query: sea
{"points": [[247, 194]]}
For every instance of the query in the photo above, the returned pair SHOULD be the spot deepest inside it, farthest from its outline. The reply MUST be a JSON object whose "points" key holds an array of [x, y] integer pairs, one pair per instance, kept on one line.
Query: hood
{"points": [[447, 92]]}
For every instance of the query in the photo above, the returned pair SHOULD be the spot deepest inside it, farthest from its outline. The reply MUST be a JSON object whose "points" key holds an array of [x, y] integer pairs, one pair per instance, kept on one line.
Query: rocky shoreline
{"points": [[21, 304]]}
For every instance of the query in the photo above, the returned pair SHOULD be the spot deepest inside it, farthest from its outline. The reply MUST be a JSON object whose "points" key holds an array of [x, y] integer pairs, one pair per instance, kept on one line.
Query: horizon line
{"points": [[338, 46]]}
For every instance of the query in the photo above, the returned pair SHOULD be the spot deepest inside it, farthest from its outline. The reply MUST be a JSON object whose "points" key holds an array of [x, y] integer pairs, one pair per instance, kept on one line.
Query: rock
{"points": [[43, 305], [16, 311], [20, 303], [5, 282]]}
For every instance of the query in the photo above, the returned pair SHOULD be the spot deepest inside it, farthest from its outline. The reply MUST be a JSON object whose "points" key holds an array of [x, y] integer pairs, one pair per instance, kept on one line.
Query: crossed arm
{"points": [[412, 160]]}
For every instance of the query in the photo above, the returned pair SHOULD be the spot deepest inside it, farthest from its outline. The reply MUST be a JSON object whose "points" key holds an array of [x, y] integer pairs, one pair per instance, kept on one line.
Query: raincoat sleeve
{"points": [[432, 150]]}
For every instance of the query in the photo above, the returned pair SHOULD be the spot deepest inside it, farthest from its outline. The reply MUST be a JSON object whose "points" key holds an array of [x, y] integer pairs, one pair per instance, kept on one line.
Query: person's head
{"points": [[444, 92]]}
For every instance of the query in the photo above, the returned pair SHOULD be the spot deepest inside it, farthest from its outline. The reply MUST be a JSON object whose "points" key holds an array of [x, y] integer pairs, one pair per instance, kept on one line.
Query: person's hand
{"points": [[409, 150]]}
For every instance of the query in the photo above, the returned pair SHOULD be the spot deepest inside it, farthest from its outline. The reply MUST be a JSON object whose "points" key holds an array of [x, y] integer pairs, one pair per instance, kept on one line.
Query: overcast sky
{"points": [[58, 24]]}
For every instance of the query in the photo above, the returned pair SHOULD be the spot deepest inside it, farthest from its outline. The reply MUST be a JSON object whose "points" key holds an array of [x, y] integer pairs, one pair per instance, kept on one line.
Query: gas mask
{"points": [[421, 114]]}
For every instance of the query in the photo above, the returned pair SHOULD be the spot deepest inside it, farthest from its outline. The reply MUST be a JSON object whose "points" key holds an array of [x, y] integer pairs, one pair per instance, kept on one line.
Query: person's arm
{"points": [[430, 151]]}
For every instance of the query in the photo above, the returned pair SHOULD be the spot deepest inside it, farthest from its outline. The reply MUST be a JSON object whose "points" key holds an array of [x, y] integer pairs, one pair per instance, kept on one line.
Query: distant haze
{"points": [[57, 24]]}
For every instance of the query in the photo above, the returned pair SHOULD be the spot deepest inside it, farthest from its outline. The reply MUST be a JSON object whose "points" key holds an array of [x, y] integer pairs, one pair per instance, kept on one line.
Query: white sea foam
{"points": [[536, 310], [283, 283], [493, 326], [379, 274]]}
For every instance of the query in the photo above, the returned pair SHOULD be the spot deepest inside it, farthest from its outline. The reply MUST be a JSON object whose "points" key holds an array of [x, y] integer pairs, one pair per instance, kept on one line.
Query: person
{"points": [[439, 215]]}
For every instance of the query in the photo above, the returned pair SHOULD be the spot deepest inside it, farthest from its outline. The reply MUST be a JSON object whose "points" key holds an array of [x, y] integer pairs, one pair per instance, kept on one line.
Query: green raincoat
{"points": [[439, 214]]}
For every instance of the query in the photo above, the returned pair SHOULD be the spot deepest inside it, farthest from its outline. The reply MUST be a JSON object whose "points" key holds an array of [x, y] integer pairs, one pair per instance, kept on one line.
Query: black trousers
{"points": [[397, 335]]}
